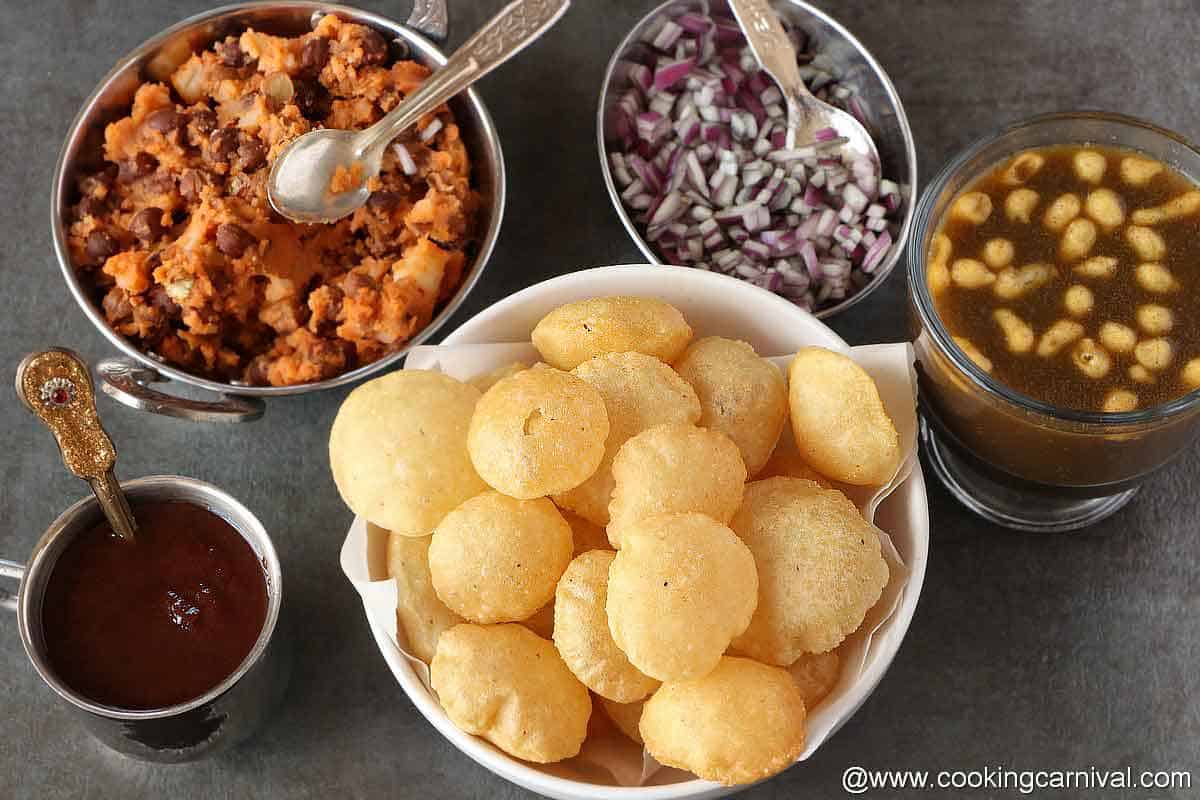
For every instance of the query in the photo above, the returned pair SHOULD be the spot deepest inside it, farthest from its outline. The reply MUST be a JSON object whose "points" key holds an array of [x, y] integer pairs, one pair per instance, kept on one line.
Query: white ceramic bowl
{"points": [[714, 304]]}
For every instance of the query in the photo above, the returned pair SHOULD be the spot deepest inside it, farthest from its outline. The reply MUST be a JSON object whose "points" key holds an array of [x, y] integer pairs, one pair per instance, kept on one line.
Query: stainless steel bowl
{"points": [[127, 379], [858, 70]]}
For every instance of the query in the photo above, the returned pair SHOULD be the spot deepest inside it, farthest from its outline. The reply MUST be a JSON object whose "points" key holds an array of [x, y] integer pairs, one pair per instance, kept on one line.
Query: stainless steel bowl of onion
{"points": [[692, 145]]}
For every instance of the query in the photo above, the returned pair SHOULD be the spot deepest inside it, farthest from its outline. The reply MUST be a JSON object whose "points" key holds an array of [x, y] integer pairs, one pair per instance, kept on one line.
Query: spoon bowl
{"points": [[303, 178], [300, 182], [820, 116], [808, 117]]}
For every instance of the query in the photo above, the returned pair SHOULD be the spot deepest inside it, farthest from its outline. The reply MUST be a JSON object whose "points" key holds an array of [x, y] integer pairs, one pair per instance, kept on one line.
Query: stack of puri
{"points": [[643, 518]]}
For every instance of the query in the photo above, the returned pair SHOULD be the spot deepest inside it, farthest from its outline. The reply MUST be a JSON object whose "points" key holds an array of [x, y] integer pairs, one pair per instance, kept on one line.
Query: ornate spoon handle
{"points": [[775, 52], [506, 34], [57, 387]]}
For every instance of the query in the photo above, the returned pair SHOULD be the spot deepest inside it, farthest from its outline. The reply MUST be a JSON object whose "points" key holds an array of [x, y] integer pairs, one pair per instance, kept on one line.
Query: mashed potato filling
{"points": [[180, 247]]}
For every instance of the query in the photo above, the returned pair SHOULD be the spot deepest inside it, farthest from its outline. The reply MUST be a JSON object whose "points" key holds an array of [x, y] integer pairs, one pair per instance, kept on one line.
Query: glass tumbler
{"points": [[1010, 458]]}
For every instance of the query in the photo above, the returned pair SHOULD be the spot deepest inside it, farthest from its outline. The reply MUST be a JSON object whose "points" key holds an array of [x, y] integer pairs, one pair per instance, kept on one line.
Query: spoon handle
{"points": [[505, 35], [775, 52], [57, 387]]}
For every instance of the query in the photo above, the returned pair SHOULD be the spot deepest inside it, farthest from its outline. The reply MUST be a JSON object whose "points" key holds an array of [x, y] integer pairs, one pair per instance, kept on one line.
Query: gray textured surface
{"points": [[1026, 652]]}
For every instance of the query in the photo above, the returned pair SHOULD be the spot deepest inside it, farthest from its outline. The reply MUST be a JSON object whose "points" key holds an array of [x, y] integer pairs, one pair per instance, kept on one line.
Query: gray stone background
{"points": [[1026, 652]]}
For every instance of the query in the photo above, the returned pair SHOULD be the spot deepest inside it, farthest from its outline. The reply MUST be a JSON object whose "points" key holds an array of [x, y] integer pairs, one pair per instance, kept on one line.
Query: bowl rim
{"points": [[922, 301], [423, 47], [884, 270], [916, 509]]}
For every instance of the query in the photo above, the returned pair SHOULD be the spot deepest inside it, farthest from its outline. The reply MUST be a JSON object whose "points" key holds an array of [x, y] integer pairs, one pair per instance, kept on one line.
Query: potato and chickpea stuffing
{"points": [[1077, 294], [175, 239]]}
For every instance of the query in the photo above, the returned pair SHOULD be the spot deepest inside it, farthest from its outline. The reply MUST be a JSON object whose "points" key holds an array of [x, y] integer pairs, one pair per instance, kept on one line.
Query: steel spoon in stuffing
{"points": [[777, 56], [299, 183]]}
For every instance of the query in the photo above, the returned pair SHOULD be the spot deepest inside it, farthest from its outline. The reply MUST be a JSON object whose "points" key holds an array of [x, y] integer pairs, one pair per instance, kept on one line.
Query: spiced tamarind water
{"points": [[1071, 274], [158, 621]]}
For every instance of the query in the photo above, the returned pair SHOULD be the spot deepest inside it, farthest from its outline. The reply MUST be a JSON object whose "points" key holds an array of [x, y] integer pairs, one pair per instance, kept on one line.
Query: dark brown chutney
{"points": [[159, 621], [1072, 273]]}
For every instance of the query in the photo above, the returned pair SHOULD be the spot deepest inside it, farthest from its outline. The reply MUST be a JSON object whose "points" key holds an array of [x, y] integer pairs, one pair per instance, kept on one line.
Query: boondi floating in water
{"points": [[1079, 293]]}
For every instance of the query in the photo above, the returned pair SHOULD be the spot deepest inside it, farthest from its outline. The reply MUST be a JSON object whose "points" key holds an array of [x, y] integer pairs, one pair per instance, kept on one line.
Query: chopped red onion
{"points": [[431, 130], [670, 208], [410, 166], [652, 127], [669, 73], [876, 252], [667, 35], [641, 77], [698, 148], [694, 23]]}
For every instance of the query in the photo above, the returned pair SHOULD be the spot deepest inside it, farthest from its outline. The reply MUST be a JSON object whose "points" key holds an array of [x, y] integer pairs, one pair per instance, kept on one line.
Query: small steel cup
{"points": [[220, 718]]}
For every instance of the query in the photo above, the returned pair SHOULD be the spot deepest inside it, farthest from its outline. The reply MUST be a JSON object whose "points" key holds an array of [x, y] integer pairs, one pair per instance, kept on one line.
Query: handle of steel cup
{"points": [[10, 569]]}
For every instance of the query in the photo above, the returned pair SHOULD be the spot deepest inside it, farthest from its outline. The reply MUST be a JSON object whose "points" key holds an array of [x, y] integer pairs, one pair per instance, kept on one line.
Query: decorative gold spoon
{"points": [[56, 386]]}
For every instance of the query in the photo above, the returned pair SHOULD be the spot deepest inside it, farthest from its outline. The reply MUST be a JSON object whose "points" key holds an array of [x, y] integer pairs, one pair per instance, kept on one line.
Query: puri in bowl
{"points": [[447, 666], [1050, 276], [167, 240], [692, 140]]}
